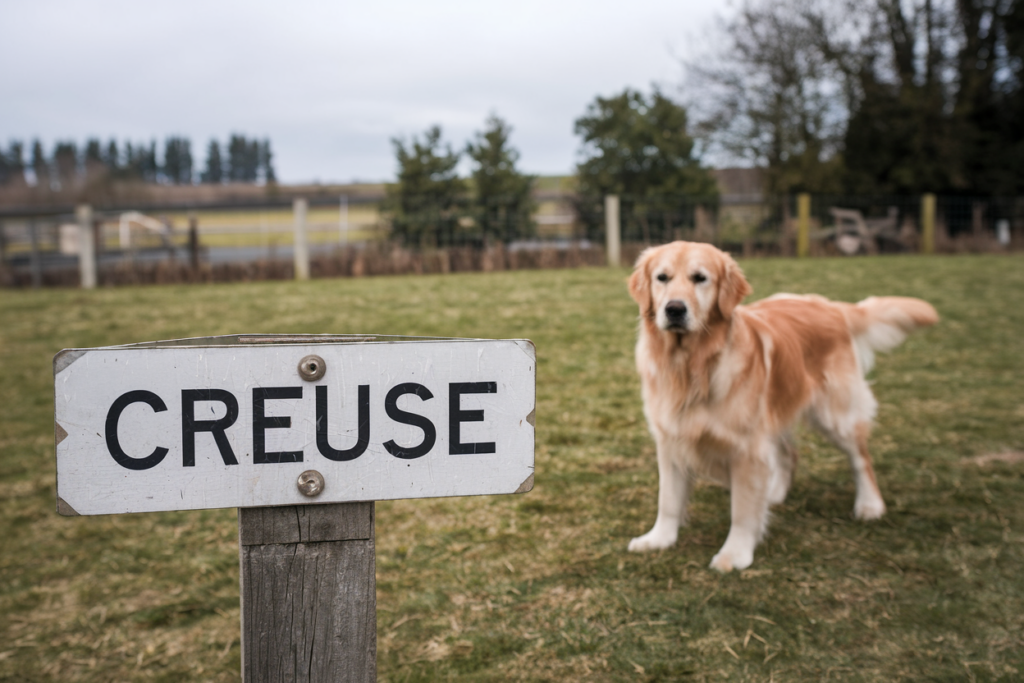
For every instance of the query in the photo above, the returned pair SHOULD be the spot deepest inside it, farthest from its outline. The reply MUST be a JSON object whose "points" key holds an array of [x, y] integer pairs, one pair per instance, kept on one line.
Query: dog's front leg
{"points": [[749, 478], [674, 483]]}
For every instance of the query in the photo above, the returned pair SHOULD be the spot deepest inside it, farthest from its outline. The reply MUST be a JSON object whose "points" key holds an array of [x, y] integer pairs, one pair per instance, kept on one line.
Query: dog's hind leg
{"points": [[674, 484], [846, 420], [869, 503], [750, 481]]}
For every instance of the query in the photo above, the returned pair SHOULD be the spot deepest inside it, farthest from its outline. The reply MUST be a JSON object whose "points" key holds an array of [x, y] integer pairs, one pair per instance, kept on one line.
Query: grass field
{"points": [[539, 586]]}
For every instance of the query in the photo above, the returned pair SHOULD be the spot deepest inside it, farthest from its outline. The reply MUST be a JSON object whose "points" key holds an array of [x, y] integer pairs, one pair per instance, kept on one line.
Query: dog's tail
{"points": [[881, 323]]}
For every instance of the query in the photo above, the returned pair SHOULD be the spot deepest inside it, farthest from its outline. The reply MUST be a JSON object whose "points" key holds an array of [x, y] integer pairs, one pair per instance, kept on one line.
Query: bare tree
{"points": [[773, 95], [889, 96]]}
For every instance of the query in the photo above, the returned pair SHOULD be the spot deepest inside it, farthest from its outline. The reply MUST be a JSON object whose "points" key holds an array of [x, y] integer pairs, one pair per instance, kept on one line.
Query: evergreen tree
{"points": [[65, 160], [267, 162], [112, 158], [502, 201], [40, 166], [185, 153], [94, 165], [92, 150], [132, 165], [238, 158], [214, 173], [252, 161], [425, 205], [140, 162], [639, 149], [16, 163], [5, 168], [172, 162], [68, 166], [177, 168], [149, 163]]}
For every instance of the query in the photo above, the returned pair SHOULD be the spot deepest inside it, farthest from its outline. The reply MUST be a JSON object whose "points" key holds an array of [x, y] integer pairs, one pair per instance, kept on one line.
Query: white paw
{"points": [[732, 558], [652, 540], [870, 508]]}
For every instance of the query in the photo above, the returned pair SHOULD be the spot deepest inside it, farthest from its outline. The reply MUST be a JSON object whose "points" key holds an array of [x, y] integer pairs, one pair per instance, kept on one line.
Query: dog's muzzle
{"points": [[675, 315]]}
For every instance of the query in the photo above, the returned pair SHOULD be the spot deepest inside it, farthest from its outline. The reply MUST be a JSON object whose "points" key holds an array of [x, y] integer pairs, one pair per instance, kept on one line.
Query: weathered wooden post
{"points": [[803, 224], [928, 224], [35, 258], [86, 246], [301, 433], [612, 231], [1003, 232], [301, 249], [308, 585], [343, 220], [193, 241]]}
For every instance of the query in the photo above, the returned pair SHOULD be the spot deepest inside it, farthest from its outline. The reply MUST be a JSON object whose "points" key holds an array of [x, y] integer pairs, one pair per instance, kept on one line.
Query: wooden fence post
{"points": [[35, 258], [928, 224], [308, 589], [86, 246], [612, 230], [301, 246], [343, 220], [803, 224], [193, 241], [1003, 232]]}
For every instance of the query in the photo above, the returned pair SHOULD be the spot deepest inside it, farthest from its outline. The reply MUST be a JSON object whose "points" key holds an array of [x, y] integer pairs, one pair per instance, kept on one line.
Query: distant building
{"points": [[742, 206], [740, 185]]}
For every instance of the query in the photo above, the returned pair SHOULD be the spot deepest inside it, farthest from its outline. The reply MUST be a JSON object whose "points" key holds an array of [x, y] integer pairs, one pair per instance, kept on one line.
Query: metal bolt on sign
{"points": [[223, 422], [312, 368], [311, 483]]}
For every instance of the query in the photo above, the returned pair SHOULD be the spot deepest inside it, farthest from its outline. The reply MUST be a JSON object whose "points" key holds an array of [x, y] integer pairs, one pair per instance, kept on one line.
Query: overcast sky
{"points": [[330, 83]]}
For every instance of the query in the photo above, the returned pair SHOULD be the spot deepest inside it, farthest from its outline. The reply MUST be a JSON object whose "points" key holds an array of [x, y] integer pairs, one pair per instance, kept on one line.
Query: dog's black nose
{"points": [[675, 311]]}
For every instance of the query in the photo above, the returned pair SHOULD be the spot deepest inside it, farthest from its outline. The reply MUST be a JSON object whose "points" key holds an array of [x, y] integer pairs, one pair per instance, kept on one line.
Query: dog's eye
{"points": [[663, 277], [698, 278]]}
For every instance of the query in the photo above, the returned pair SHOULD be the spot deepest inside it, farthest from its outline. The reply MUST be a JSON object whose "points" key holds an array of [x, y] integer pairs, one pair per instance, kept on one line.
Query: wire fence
{"points": [[251, 242], [837, 224]]}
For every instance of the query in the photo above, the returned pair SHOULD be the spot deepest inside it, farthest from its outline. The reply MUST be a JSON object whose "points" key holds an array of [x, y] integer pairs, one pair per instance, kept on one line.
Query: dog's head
{"points": [[684, 287]]}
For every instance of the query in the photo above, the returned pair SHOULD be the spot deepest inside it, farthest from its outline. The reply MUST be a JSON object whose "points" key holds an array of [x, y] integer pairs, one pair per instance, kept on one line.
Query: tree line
{"points": [[878, 97], [242, 160]]}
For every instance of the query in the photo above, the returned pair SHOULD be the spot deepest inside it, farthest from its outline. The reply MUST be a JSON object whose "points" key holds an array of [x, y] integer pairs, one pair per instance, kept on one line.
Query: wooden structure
{"points": [[308, 593]]}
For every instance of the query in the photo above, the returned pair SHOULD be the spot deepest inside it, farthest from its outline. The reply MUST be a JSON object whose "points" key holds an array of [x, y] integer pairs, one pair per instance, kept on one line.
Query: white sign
{"points": [[234, 421]]}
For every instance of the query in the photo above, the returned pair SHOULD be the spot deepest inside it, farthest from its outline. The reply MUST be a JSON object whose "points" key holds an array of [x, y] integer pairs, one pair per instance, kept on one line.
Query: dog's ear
{"points": [[732, 288], [640, 282]]}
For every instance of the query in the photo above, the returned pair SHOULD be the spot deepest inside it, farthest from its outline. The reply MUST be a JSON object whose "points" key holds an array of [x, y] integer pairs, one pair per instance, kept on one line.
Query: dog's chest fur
{"points": [[713, 421]]}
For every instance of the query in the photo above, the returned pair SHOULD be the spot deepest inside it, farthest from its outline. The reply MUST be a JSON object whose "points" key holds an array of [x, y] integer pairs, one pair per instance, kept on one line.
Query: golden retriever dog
{"points": [[724, 384]]}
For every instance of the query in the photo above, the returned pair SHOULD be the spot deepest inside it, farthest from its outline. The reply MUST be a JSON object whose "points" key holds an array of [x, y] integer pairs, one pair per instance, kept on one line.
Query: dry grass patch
{"points": [[1008, 457]]}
